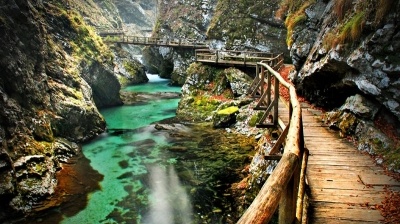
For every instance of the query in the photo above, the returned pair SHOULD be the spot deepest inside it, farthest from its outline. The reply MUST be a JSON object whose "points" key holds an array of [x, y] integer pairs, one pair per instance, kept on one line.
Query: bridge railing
{"points": [[167, 42], [231, 57], [285, 186]]}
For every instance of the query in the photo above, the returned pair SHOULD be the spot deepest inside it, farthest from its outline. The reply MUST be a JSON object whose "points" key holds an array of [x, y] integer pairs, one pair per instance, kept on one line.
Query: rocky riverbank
{"points": [[55, 73]]}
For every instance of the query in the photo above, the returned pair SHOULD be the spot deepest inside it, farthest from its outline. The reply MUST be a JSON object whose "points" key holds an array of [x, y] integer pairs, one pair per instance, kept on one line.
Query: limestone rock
{"points": [[104, 84], [361, 106], [225, 117], [367, 65], [54, 72], [238, 81]]}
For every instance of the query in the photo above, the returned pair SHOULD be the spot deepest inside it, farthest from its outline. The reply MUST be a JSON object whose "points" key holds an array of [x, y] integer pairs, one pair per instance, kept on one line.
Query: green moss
{"points": [[205, 103], [123, 80], [255, 118], [393, 158], [295, 16], [87, 44], [352, 19], [229, 110], [131, 67]]}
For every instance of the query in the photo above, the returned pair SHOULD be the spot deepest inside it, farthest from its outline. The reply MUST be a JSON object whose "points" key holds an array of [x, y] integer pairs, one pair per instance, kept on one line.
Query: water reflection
{"points": [[169, 202]]}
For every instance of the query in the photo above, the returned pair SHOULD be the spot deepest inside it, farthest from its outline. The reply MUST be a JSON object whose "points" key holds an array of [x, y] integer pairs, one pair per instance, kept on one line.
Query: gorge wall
{"points": [[56, 71], [55, 74], [345, 52]]}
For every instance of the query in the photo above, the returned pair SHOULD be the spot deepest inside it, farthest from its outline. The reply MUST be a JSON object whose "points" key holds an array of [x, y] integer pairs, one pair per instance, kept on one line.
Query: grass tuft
{"points": [[352, 30], [296, 15], [341, 8]]}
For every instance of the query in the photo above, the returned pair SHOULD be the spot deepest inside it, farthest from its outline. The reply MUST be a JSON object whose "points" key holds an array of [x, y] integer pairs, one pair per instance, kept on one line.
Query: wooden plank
{"points": [[342, 157], [356, 214], [340, 168], [338, 163], [328, 220], [364, 200]]}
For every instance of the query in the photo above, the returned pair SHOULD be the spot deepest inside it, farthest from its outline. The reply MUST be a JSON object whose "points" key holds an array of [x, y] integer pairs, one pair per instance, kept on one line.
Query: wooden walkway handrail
{"points": [[153, 41], [282, 186], [232, 58]]}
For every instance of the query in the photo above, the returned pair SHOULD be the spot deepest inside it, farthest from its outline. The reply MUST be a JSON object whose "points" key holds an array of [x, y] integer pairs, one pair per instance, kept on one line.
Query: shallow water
{"points": [[160, 176]]}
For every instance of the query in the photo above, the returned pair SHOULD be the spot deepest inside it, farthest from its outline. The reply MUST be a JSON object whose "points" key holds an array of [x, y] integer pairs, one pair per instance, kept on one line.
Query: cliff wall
{"points": [[55, 72], [346, 55]]}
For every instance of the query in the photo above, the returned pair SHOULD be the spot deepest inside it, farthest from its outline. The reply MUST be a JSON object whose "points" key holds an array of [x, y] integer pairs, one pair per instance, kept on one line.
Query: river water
{"points": [[179, 173]]}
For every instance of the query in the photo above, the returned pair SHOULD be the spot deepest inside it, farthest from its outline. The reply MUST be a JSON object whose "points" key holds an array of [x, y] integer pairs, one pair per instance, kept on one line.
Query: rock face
{"points": [[245, 25], [54, 73], [346, 54], [357, 54]]}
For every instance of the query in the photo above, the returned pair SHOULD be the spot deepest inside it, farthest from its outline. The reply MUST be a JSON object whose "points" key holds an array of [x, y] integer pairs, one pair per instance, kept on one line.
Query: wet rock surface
{"points": [[52, 79], [217, 158]]}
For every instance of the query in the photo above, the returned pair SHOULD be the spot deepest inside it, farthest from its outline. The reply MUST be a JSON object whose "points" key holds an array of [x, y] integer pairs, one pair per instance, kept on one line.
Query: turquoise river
{"points": [[159, 170]]}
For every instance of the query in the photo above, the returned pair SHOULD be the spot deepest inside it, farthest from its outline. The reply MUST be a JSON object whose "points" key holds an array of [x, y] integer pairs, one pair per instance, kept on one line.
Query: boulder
{"points": [[226, 117], [239, 81], [361, 106]]}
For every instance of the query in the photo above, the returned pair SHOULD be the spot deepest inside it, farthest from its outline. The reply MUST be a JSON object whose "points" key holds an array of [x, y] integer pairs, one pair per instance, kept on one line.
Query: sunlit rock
{"points": [[225, 117]]}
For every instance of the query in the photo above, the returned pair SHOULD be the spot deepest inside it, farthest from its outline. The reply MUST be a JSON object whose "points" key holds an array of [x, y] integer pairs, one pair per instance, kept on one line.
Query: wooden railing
{"points": [[258, 90], [245, 58], [165, 42], [285, 186]]}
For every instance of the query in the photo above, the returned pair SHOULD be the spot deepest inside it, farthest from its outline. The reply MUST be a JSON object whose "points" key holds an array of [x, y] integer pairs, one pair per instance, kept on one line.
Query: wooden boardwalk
{"points": [[345, 184]]}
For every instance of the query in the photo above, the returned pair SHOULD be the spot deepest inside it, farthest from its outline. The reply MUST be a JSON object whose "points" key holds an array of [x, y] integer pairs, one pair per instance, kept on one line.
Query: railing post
{"points": [[276, 101], [269, 79], [302, 185], [287, 204], [262, 80]]}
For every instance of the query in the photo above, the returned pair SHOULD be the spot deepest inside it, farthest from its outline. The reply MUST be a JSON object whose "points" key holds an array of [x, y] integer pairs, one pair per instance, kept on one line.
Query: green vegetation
{"points": [[87, 45], [295, 15], [256, 117], [351, 15], [205, 103], [352, 19], [131, 67]]}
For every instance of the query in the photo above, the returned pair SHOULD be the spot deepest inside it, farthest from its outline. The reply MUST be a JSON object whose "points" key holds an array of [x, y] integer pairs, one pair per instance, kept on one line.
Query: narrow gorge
{"points": [[67, 93]]}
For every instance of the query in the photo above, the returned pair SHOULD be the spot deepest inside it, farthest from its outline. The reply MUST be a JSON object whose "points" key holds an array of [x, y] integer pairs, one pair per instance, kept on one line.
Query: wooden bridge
{"points": [[161, 42], [118, 36], [236, 58], [320, 177]]}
